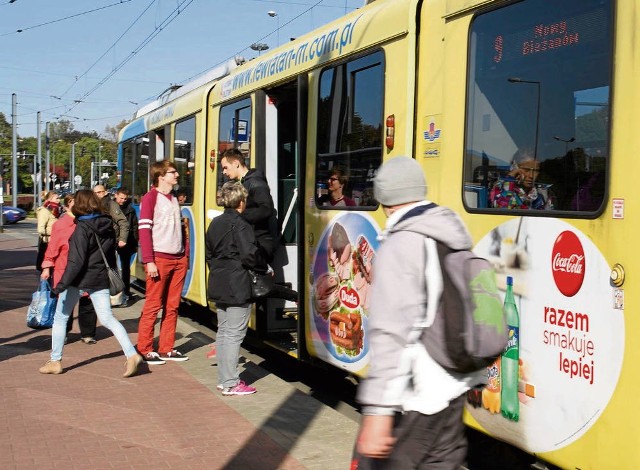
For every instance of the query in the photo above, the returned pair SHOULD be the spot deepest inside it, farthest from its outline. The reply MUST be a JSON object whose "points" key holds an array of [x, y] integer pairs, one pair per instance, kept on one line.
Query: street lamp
{"points": [[566, 142], [538, 85], [72, 183], [259, 46], [273, 14]]}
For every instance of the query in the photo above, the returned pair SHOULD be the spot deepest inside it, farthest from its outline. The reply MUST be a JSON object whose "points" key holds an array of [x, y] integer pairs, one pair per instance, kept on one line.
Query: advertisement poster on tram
{"points": [[341, 279], [571, 335]]}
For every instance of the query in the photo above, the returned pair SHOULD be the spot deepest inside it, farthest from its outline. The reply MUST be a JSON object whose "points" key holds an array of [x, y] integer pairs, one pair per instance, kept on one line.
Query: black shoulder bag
{"points": [[116, 285]]}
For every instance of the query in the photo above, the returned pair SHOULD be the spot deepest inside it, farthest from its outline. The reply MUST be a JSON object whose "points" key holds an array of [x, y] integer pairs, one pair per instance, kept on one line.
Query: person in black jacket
{"points": [[87, 272], [260, 212], [231, 250], [126, 252]]}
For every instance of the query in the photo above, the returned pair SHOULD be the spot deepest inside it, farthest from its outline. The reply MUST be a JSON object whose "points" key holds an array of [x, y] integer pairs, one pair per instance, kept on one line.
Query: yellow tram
{"points": [[466, 87]]}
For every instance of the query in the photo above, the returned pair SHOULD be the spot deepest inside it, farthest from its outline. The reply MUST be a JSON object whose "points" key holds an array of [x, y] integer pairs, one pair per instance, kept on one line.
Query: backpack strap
{"points": [[417, 211], [434, 285]]}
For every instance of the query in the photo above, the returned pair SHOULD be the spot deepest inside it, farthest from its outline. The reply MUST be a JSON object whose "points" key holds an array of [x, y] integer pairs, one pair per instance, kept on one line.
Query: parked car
{"points": [[11, 215]]}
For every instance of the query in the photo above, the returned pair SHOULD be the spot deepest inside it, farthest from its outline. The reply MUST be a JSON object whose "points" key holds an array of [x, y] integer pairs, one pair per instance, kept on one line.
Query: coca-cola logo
{"points": [[349, 297], [568, 263]]}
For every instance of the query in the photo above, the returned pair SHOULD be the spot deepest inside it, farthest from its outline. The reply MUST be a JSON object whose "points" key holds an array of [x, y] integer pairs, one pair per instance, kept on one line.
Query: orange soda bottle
{"points": [[491, 392]]}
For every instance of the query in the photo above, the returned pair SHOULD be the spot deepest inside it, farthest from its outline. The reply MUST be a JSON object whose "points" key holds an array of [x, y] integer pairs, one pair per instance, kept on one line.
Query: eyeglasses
{"points": [[333, 178], [172, 171], [99, 192]]}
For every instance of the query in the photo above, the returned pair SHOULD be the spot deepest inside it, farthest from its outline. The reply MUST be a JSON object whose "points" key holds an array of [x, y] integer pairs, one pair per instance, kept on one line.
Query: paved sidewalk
{"points": [[169, 416]]}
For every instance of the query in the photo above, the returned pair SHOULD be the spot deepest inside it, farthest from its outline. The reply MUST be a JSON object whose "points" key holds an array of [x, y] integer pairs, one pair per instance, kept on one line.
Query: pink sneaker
{"points": [[212, 353], [240, 389]]}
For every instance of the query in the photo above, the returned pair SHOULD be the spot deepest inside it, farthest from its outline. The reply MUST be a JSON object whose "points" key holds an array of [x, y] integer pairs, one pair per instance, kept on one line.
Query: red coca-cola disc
{"points": [[568, 263]]}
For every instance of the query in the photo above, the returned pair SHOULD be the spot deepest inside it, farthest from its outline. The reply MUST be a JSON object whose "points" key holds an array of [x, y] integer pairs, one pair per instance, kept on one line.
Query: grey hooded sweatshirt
{"points": [[402, 376]]}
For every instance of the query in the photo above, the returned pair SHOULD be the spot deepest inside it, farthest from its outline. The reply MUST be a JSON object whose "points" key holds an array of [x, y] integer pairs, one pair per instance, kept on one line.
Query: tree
{"points": [[113, 132], [5, 135]]}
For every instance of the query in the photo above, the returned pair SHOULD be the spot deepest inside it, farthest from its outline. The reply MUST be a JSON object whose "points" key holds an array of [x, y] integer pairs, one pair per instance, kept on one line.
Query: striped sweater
{"points": [[160, 227]]}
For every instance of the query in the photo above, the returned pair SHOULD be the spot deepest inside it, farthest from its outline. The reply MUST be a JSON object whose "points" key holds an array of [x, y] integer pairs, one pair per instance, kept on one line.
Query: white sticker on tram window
{"points": [[618, 208], [570, 332]]}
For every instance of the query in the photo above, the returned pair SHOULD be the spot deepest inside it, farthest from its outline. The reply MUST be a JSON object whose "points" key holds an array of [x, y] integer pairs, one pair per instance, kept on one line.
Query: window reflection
{"points": [[350, 120], [184, 158], [539, 83]]}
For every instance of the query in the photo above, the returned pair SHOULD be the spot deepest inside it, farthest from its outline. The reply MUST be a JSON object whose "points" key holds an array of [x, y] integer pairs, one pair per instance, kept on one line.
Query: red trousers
{"points": [[162, 293]]}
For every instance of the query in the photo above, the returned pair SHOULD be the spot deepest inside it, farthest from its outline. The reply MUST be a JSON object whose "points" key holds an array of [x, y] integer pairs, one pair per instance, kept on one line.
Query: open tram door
{"points": [[279, 154]]}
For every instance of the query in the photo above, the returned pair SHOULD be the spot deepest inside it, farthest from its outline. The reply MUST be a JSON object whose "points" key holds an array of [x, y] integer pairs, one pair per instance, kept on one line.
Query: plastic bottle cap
{"points": [[509, 281]]}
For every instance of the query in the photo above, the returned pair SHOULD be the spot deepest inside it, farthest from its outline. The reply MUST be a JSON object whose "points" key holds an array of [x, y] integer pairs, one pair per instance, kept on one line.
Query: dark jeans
{"points": [[125, 255], [87, 318], [42, 248], [281, 292], [434, 442]]}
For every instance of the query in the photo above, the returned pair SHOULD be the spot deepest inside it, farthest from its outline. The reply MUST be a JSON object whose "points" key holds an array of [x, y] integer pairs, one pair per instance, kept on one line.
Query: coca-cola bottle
{"points": [[509, 404]]}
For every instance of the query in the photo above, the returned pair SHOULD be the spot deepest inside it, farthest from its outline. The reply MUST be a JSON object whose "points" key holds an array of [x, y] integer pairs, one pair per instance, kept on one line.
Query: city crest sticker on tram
{"points": [[569, 337], [340, 287]]}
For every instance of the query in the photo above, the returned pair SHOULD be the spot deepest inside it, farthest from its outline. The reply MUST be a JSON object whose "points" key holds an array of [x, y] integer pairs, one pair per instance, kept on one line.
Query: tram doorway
{"points": [[281, 166]]}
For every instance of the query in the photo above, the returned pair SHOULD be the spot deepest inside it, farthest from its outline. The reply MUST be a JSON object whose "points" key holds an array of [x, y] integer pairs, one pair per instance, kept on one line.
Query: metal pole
{"points": [[73, 168], [39, 166], [35, 186], [14, 150], [538, 85], [535, 147], [46, 146]]}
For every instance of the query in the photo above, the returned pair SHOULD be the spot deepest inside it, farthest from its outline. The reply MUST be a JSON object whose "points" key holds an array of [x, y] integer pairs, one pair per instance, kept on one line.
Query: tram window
{"points": [[537, 132], [234, 132], [141, 182], [350, 126], [126, 178], [183, 157]]}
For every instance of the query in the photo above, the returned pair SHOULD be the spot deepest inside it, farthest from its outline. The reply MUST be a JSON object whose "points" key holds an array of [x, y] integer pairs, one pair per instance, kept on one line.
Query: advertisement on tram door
{"points": [[567, 334], [341, 279]]}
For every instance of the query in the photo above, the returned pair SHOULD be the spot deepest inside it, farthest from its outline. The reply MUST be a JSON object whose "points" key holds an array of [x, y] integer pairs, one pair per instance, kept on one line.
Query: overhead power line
{"points": [[65, 18], [172, 16]]}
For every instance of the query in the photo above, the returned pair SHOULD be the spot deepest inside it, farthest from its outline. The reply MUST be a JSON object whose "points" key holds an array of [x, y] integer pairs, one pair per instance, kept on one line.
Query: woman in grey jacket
{"points": [[86, 271]]}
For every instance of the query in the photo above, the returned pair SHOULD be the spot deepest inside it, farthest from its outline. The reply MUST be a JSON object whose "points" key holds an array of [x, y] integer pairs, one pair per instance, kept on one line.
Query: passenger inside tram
{"points": [[520, 188], [336, 188]]}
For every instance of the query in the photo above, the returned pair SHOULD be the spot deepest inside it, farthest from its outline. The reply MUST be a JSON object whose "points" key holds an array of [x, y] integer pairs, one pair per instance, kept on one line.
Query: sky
{"points": [[94, 62]]}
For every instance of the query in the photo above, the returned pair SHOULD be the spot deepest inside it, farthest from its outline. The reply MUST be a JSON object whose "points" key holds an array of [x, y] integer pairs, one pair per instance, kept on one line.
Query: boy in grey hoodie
{"points": [[411, 406]]}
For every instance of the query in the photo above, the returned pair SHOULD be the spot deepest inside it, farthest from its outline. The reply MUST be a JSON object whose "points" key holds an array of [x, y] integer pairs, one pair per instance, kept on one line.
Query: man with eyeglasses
{"points": [[165, 246], [111, 207], [337, 181]]}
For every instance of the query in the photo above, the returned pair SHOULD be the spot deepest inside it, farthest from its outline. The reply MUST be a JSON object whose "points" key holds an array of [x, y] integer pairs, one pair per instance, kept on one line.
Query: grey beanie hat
{"points": [[399, 181]]}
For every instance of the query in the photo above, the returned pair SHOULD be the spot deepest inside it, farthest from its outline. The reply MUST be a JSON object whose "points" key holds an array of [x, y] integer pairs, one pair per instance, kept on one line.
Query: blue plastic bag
{"points": [[43, 307]]}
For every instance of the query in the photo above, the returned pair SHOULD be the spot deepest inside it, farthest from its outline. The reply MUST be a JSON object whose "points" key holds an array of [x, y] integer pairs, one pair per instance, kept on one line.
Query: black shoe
{"points": [[173, 356], [153, 358]]}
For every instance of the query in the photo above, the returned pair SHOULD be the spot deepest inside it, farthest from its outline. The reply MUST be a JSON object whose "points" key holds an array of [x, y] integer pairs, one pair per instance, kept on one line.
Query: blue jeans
{"points": [[101, 301], [232, 328]]}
